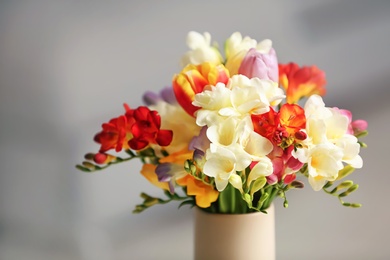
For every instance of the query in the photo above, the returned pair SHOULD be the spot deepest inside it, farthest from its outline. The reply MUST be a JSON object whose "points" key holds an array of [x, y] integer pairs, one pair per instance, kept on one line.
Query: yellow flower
{"points": [[204, 194]]}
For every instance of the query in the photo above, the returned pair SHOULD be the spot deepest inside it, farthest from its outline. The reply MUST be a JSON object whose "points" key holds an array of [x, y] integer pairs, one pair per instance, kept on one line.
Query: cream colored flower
{"points": [[328, 145], [222, 162], [262, 168], [212, 101], [254, 95], [201, 50], [239, 98]]}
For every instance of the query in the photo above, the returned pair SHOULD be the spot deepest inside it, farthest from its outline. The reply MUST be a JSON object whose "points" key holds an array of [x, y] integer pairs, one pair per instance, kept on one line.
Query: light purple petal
{"points": [[168, 95], [200, 142], [150, 98], [262, 66], [163, 172]]}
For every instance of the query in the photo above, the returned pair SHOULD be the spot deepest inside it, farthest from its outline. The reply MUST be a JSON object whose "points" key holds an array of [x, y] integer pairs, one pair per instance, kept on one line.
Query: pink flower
{"points": [[354, 127], [284, 165], [359, 126], [262, 66]]}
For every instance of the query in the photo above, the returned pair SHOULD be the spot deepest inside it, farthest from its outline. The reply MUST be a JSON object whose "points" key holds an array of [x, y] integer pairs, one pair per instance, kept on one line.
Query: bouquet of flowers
{"points": [[229, 135]]}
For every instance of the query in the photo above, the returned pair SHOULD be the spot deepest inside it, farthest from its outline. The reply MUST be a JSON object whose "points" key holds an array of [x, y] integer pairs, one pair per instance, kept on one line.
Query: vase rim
{"points": [[270, 208]]}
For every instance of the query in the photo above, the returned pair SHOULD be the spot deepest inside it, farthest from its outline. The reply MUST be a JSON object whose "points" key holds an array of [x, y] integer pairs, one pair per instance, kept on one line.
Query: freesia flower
{"points": [[149, 172], [222, 162], [301, 82], [166, 95], [261, 168], [193, 80], [115, 134], [284, 165], [241, 97], [200, 142], [354, 127], [201, 50], [328, 144], [170, 168], [281, 127], [205, 194], [146, 129]]}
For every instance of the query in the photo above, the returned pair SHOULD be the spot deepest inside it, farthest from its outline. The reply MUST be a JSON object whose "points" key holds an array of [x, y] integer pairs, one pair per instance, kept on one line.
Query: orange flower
{"points": [[193, 79], [281, 127], [149, 172], [292, 118], [301, 82], [204, 194]]}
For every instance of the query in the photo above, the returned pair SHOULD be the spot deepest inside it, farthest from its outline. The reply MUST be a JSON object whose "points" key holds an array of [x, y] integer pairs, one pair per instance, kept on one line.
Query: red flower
{"points": [[146, 129], [114, 134], [301, 82], [266, 124], [282, 127], [136, 130]]}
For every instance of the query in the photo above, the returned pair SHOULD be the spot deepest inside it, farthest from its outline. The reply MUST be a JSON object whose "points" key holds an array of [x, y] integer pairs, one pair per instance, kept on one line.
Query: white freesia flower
{"points": [[324, 164], [262, 168], [240, 97], [349, 144], [201, 50], [211, 101], [235, 44], [233, 132], [222, 162], [254, 95], [224, 133], [328, 144]]}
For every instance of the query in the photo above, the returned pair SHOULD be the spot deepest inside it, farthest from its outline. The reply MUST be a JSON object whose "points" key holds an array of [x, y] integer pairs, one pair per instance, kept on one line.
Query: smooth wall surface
{"points": [[68, 66]]}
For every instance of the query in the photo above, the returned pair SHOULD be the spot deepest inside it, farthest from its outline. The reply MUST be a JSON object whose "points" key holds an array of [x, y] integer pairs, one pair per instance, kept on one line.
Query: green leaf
{"points": [[187, 202]]}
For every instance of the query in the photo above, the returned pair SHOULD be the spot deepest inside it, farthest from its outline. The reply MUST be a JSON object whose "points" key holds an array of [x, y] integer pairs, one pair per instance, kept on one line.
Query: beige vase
{"points": [[235, 236]]}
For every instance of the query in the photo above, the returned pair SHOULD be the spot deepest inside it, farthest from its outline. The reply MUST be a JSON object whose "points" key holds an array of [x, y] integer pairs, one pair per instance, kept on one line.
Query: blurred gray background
{"points": [[68, 66]]}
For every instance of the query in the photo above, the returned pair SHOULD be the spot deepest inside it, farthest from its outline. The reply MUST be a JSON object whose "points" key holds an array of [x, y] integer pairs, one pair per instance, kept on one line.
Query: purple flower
{"points": [[169, 172], [164, 174], [166, 94], [200, 142], [260, 65]]}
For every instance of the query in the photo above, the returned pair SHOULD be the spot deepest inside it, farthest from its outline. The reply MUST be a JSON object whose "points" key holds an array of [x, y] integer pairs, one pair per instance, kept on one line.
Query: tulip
{"points": [[193, 79], [260, 65]]}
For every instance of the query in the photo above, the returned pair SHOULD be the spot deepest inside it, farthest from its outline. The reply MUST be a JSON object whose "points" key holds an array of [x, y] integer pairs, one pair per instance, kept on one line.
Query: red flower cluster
{"points": [[282, 127], [136, 129]]}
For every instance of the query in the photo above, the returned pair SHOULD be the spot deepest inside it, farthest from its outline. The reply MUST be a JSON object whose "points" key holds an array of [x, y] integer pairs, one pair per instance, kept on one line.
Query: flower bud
{"points": [[260, 65], [300, 135], [100, 158]]}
